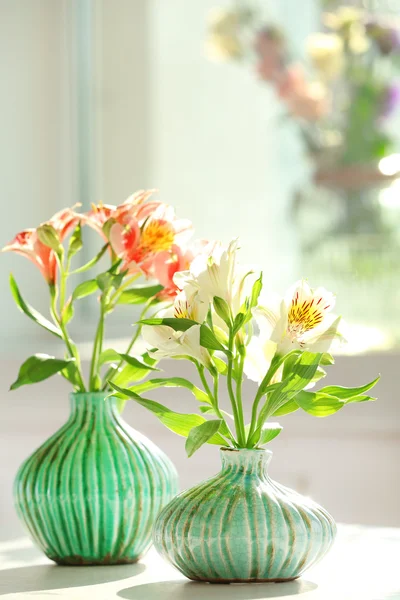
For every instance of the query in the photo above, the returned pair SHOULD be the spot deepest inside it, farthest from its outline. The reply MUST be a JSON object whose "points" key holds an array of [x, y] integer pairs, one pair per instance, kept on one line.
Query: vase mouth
{"points": [[86, 395], [247, 450]]}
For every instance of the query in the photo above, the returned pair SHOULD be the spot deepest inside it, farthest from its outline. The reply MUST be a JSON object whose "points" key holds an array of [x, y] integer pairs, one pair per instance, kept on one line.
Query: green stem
{"points": [[200, 369], [113, 371], [213, 395], [276, 362], [239, 384], [63, 286], [123, 287], [260, 392], [94, 378], [239, 422], [71, 347]]}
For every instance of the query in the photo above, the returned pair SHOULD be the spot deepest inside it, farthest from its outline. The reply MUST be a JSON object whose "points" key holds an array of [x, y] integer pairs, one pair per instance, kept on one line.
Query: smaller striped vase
{"points": [[90, 494], [240, 526]]}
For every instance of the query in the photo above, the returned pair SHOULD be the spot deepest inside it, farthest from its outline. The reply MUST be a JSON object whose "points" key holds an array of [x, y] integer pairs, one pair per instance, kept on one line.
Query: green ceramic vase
{"points": [[240, 526], [90, 494]]}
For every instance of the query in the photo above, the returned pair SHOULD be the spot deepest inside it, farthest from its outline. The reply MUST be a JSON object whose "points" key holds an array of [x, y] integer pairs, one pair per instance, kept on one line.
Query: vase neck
{"points": [[93, 405], [251, 462]]}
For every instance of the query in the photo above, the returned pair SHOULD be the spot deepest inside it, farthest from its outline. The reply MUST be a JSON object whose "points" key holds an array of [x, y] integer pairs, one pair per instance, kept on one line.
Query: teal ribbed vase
{"points": [[90, 494], [240, 526]]}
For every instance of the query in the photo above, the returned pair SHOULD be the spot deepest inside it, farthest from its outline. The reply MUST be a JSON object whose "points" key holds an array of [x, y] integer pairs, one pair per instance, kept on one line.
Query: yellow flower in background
{"points": [[326, 52], [357, 39], [224, 41], [348, 22], [343, 18]]}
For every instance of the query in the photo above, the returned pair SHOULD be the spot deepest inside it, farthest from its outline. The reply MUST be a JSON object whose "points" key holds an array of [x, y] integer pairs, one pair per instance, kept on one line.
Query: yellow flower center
{"points": [[157, 235], [305, 315], [184, 310]]}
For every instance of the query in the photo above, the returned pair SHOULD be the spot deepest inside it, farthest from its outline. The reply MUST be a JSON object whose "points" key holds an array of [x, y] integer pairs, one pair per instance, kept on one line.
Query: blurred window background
{"points": [[277, 121]]}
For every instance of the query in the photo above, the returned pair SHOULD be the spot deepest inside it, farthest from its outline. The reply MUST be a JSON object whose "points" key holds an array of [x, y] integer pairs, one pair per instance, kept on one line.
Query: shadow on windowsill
{"points": [[182, 590], [51, 577]]}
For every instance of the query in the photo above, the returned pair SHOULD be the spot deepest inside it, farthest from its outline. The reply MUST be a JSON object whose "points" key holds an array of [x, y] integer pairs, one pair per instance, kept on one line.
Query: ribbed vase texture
{"points": [[90, 493], [240, 526]]}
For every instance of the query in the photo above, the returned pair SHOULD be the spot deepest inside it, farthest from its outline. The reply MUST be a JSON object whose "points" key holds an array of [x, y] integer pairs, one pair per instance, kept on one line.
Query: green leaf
{"points": [[133, 370], [222, 309], [175, 324], [224, 429], [319, 374], [149, 360], [210, 410], [68, 311], [38, 368], [71, 374], [317, 404], [288, 366], [75, 242], [360, 399], [286, 409], [302, 373], [220, 334], [139, 295], [108, 280], [111, 355], [255, 292], [220, 365], [327, 359], [269, 432], [113, 270], [180, 423], [264, 434], [104, 281], [31, 312], [111, 278], [128, 374], [346, 393], [201, 434], [91, 263], [238, 323], [85, 289], [208, 339], [180, 382]]}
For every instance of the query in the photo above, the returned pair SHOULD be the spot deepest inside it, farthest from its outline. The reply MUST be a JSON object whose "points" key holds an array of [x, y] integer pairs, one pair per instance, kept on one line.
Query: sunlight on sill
{"points": [[361, 340]]}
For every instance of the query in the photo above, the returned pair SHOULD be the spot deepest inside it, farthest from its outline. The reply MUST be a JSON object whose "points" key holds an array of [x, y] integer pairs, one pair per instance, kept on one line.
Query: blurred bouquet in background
{"points": [[343, 94]]}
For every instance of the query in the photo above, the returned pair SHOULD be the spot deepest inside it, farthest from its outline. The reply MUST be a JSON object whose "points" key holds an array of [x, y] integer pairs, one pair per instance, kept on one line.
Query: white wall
{"points": [[214, 143], [36, 156]]}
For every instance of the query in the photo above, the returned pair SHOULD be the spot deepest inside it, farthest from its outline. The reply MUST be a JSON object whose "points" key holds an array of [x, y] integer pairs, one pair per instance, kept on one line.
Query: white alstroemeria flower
{"points": [[215, 272], [170, 343], [212, 272], [301, 321], [188, 305]]}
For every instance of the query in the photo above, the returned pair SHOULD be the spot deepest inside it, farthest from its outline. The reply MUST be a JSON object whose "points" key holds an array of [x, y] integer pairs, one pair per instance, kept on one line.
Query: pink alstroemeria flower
{"points": [[27, 243], [98, 216], [139, 245], [135, 208], [166, 264], [64, 221]]}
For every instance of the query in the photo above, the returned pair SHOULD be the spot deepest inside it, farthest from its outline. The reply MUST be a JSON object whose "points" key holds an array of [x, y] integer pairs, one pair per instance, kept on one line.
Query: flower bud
{"points": [[49, 237]]}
